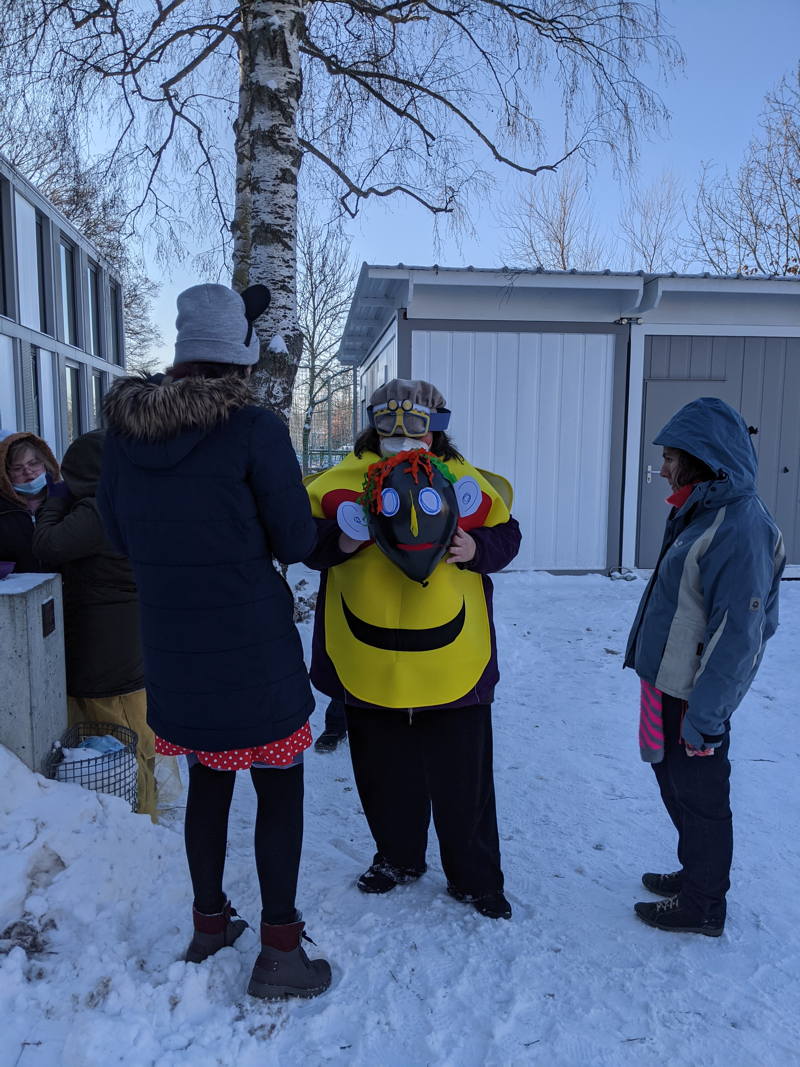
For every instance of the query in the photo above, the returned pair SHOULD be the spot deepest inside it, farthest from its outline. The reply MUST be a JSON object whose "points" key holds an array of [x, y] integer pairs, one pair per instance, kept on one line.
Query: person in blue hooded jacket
{"points": [[696, 644]]}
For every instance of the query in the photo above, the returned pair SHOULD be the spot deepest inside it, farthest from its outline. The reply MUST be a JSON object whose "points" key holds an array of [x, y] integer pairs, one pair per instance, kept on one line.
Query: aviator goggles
{"points": [[407, 419]]}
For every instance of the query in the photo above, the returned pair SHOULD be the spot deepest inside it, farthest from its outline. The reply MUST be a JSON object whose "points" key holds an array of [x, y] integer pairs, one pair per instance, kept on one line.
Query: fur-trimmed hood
{"points": [[160, 420], [50, 462], [158, 408]]}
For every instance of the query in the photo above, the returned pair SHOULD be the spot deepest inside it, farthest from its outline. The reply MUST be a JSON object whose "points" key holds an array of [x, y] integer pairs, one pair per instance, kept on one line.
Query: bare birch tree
{"points": [[651, 223], [326, 280], [749, 222], [410, 97], [554, 226]]}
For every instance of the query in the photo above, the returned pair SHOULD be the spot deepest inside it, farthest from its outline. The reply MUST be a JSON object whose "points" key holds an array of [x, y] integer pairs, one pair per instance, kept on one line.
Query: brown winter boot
{"points": [[213, 932], [283, 969]]}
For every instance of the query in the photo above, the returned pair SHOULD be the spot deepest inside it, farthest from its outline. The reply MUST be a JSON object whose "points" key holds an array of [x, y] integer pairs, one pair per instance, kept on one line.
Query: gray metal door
{"points": [[677, 370], [771, 401], [758, 376]]}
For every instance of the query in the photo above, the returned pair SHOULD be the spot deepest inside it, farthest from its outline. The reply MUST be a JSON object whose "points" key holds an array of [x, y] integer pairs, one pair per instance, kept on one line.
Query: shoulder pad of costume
{"points": [[502, 486]]}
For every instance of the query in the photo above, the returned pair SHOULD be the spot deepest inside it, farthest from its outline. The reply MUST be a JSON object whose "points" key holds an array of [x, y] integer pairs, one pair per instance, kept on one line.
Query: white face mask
{"points": [[390, 446], [31, 488]]}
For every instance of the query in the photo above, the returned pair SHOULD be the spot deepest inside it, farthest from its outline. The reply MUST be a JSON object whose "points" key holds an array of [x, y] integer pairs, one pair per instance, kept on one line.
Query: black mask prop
{"points": [[412, 511]]}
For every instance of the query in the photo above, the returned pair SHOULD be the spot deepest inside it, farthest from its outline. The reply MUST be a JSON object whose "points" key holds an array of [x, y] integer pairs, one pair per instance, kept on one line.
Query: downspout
{"points": [[355, 402], [649, 300]]}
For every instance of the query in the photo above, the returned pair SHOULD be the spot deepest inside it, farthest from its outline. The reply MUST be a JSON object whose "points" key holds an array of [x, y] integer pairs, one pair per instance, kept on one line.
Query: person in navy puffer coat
{"points": [[697, 643], [201, 489]]}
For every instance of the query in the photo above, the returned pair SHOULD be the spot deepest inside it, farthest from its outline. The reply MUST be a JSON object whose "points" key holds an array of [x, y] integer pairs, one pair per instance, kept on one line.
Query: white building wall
{"points": [[8, 389], [27, 262], [380, 366], [536, 408]]}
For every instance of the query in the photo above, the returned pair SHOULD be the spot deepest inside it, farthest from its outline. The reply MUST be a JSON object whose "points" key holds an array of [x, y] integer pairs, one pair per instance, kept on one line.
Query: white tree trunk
{"points": [[268, 162]]}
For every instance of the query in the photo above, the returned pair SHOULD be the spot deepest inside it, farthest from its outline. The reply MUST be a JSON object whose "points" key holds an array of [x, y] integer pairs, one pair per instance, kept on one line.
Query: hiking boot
{"points": [[283, 969], [383, 876], [664, 885], [670, 914], [493, 905], [213, 932], [329, 741]]}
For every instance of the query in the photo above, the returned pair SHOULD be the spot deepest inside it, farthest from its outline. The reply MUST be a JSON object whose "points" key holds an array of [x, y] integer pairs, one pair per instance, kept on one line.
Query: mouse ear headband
{"points": [[256, 301]]}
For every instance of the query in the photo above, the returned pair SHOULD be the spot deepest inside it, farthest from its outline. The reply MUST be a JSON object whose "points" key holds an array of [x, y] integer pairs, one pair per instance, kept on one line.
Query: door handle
{"points": [[651, 471]]}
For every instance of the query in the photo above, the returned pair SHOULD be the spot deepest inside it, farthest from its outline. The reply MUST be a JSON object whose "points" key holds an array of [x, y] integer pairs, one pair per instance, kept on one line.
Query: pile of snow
{"points": [[95, 902]]}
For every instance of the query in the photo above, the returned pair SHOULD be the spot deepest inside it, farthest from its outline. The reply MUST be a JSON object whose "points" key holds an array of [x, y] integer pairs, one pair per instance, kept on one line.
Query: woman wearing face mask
{"points": [[414, 662], [27, 468], [696, 644]]}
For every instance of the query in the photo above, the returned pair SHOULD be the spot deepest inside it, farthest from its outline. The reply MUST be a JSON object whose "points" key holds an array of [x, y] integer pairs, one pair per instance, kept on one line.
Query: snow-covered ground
{"points": [[574, 979]]}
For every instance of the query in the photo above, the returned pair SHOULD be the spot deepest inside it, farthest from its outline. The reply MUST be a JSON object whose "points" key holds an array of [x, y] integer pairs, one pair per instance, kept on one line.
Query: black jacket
{"points": [[16, 537], [202, 489], [101, 609]]}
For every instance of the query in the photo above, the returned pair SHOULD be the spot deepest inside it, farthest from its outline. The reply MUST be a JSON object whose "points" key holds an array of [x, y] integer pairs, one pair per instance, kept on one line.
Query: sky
{"points": [[735, 52]]}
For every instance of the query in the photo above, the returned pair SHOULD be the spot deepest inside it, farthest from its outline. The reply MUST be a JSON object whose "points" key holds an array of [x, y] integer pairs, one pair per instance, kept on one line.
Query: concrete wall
{"points": [[33, 692]]}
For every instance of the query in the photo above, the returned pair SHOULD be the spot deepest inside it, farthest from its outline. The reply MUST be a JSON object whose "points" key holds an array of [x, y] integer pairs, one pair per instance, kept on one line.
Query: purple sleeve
{"points": [[495, 546], [327, 553]]}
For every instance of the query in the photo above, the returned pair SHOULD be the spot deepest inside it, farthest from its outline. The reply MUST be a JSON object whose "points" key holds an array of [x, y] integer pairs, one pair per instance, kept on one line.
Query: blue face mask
{"points": [[30, 488]]}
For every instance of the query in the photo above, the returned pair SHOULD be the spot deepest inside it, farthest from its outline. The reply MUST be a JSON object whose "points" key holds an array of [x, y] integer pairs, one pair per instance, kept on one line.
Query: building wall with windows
{"points": [[61, 337]]}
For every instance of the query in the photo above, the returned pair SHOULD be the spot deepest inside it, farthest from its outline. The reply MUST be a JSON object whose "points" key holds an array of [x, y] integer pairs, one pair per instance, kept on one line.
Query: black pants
{"points": [[696, 794], [278, 837], [440, 761], [335, 718]]}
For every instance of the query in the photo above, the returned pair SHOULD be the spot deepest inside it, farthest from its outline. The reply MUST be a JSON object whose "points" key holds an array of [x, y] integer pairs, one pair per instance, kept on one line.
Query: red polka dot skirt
{"points": [[276, 754]]}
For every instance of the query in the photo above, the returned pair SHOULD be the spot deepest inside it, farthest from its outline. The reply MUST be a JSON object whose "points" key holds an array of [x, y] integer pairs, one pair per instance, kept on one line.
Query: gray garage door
{"points": [[760, 376]]}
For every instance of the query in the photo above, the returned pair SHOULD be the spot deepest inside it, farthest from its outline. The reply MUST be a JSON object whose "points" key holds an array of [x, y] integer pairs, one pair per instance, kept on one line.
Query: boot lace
{"points": [[666, 905]]}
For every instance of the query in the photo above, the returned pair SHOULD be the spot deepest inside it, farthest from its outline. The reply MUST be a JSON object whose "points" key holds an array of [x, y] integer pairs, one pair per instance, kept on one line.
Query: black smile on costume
{"points": [[396, 640]]}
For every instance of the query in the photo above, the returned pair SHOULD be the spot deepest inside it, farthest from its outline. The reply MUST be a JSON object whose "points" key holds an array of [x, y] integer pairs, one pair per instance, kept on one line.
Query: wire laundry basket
{"points": [[115, 773]]}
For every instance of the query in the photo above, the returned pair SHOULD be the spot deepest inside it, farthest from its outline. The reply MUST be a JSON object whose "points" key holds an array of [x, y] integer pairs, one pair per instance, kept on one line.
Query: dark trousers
{"points": [[440, 762], [335, 718], [278, 837], [696, 794]]}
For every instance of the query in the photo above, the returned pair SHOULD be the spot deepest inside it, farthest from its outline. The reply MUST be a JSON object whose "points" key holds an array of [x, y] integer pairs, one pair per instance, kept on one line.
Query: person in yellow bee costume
{"points": [[408, 533]]}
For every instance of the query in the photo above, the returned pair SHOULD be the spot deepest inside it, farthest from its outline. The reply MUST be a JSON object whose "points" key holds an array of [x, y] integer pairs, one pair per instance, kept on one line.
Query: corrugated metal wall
{"points": [[536, 408]]}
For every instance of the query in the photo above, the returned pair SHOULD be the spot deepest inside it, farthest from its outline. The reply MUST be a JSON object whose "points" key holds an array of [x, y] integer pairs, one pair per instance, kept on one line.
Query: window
{"points": [[66, 264], [35, 425], [93, 291], [72, 387], [116, 322], [97, 400], [42, 273], [3, 250]]}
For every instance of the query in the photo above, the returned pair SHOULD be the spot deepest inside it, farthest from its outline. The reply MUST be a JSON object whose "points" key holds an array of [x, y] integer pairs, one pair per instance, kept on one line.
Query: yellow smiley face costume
{"points": [[392, 641]]}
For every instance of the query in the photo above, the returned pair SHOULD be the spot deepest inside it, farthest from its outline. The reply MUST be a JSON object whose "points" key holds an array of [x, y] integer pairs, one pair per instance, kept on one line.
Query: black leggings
{"points": [[278, 837]]}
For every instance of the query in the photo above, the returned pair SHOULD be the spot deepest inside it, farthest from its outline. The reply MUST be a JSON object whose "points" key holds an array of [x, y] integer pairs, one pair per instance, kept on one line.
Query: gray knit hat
{"points": [[214, 325], [413, 389]]}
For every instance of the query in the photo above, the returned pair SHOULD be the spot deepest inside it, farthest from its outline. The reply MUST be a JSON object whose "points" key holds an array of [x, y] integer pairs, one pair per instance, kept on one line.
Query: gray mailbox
{"points": [[33, 693]]}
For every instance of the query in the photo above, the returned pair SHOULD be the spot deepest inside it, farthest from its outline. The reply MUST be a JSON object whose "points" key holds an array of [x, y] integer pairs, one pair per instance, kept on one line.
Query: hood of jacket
{"points": [[160, 420], [82, 462], [50, 462], [717, 434]]}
